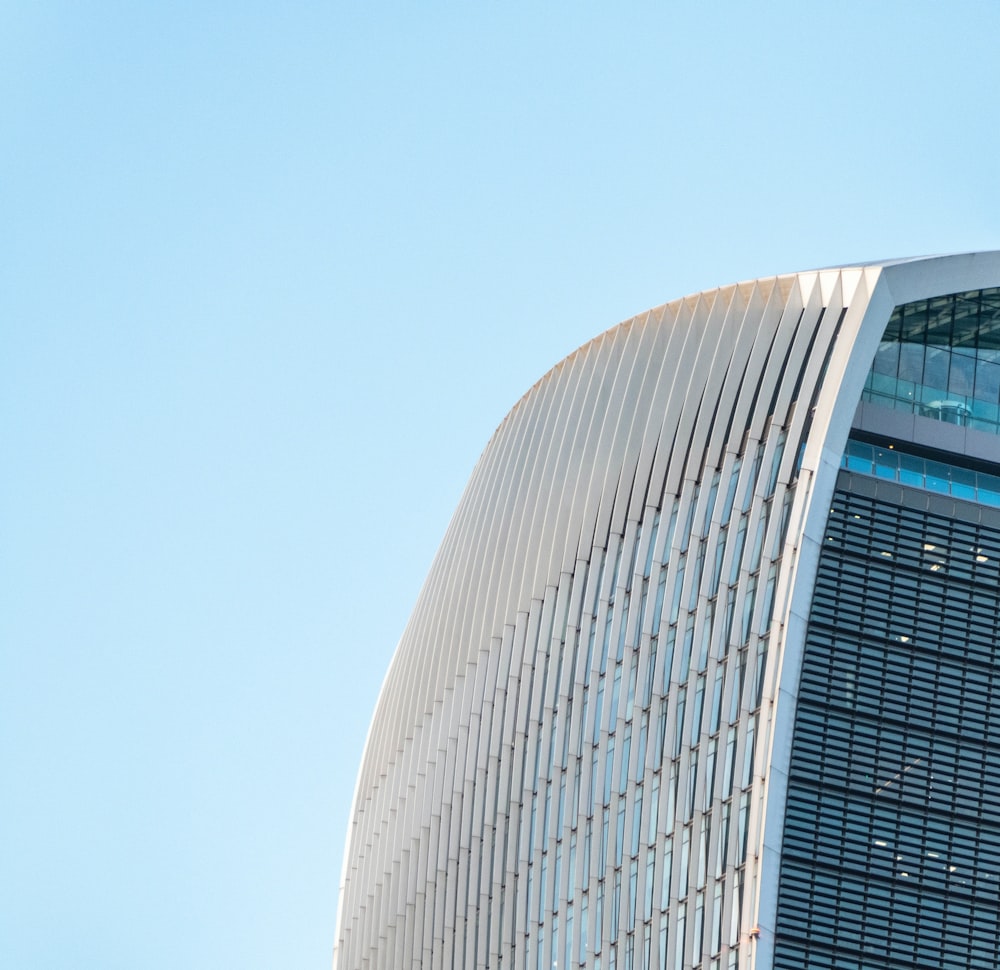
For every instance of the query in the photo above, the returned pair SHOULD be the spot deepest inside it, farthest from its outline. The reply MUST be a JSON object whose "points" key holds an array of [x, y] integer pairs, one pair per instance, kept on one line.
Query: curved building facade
{"points": [[702, 675]]}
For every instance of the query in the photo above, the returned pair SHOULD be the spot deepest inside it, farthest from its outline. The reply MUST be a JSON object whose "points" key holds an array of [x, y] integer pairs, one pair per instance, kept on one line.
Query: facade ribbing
{"points": [[590, 737]]}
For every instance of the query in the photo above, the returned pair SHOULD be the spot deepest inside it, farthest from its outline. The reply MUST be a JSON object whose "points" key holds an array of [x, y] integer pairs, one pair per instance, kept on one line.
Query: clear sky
{"points": [[270, 276]]}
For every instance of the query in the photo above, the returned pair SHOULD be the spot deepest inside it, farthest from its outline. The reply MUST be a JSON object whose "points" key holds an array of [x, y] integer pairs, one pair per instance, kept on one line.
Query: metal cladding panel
{"points": [[579, 753]]}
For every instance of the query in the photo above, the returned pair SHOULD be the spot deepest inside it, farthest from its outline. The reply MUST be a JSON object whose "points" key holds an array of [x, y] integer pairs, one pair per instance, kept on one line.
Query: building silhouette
{"points": [[704, 673]]}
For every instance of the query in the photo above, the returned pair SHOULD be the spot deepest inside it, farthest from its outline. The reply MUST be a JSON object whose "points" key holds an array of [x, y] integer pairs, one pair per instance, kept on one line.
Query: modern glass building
{"points": [[704, 672]]}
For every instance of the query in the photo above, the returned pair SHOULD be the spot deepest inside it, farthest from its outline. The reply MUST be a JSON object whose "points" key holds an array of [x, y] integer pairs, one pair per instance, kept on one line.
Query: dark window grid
{"points": [[896, 916], [960, 777], [932, 614], [853, 677], [868, 700], [857, 830], [823, 726], [823, 730], [977, 677], [870, 689], [910, 564], [950, 609]]}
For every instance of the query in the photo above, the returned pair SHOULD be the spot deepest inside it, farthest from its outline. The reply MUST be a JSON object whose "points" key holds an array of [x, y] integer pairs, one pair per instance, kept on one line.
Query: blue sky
{"points": [[270, 276]]}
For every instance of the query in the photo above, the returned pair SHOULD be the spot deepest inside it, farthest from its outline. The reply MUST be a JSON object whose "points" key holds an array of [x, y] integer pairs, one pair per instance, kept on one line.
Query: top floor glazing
{"points": [[940, 358]]}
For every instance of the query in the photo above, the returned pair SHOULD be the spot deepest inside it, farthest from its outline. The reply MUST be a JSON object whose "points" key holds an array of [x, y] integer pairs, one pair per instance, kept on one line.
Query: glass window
{"points": [[668, 862], [887, 358], [962, 375], [938, 477], [963, 483], [911, 362], [988, 380], [936, 362], [911, 470]]}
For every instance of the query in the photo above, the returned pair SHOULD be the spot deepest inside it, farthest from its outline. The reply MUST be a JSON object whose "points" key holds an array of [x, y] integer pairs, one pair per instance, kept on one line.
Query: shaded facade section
{"points": [[891, 854]]}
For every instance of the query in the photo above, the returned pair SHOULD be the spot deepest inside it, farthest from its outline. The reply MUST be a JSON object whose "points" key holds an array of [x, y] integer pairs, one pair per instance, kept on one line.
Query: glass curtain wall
{"points": [[940, 358]]}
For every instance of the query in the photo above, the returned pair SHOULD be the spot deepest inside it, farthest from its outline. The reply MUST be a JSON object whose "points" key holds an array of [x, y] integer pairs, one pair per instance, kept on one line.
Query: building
{"points": [[704, 672]]}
